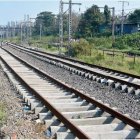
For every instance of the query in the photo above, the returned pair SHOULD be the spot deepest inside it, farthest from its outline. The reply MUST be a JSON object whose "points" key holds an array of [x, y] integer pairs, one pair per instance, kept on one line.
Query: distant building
{"points": [[128, 28]]}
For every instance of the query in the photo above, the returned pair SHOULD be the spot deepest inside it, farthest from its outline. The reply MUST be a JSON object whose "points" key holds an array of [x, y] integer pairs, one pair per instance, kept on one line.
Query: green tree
{"points": [[135, 16], [90, 22], [48, 21], [107, 15]]}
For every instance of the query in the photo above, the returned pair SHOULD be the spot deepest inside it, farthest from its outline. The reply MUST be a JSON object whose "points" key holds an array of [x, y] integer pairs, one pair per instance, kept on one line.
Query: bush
{"points": [[101, 43], [121, 42], [119, 45], [81, 47], [131, 40]]}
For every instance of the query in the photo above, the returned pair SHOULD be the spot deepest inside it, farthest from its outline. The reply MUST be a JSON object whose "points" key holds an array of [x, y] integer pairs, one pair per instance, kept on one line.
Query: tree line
{"points": [[91, 23]]}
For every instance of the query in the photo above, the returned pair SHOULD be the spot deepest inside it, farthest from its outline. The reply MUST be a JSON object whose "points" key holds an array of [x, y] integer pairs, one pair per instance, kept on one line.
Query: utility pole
{"points": [[1, 33], [60, 26], [70, 23], [13, 29], [70, 26], [31, 27], [7, 32], [27, 28], [122, 20], [113, 24], [24, 29], [25, 33], [40, 31], [21, 32], [0, 37]]}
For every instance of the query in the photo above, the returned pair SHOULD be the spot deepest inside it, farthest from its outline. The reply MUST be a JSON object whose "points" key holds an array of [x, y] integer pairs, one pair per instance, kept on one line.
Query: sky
{"points": [[14, 10]]}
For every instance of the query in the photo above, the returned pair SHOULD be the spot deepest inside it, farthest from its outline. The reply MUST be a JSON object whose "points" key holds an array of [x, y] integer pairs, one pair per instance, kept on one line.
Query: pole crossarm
{"points": [[72, 3]]}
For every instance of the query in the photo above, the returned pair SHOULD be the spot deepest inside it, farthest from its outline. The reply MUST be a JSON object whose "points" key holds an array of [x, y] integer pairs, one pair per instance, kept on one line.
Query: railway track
{"points": [[66, 111], [127, 82]]}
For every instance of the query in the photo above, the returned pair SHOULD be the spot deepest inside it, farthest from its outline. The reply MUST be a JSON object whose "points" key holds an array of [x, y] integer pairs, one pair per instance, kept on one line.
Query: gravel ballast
{"points": [[125, 102], [18, 123]]}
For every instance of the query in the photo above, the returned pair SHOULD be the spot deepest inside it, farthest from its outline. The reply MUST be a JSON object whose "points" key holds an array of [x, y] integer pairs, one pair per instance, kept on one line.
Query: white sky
{"points": [[14, 10]]}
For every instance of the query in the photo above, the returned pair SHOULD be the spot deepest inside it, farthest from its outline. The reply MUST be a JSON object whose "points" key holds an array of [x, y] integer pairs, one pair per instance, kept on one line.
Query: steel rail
{"points": [[125, 119], [96, 73], [79, 133], [83, 63]]}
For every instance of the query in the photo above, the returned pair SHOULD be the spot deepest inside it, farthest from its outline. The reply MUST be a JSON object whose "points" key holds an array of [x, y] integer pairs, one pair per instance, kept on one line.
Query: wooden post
{"points": [[122, 57], [134, 58], [113, 53]]}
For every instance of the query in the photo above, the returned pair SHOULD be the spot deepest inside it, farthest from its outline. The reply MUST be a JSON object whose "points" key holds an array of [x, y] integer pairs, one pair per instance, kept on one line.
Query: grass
{"points": [[101, 43], [44, 43], [2, 113], [125, 64]]}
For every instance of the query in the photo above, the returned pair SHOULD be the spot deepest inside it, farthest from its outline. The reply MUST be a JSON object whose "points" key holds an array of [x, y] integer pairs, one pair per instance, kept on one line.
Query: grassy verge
{"points": [[92, 46], [125, 64], [2, 114], [44, 43]]}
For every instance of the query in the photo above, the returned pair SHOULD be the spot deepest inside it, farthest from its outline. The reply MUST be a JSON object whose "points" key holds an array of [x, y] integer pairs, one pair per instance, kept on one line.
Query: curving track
{"points": [[67, 111]]}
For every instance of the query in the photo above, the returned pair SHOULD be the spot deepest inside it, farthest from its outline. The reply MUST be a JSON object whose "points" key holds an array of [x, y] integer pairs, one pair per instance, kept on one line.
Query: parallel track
{"points": [[116, 78], [66, 103], [62, 58]]}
